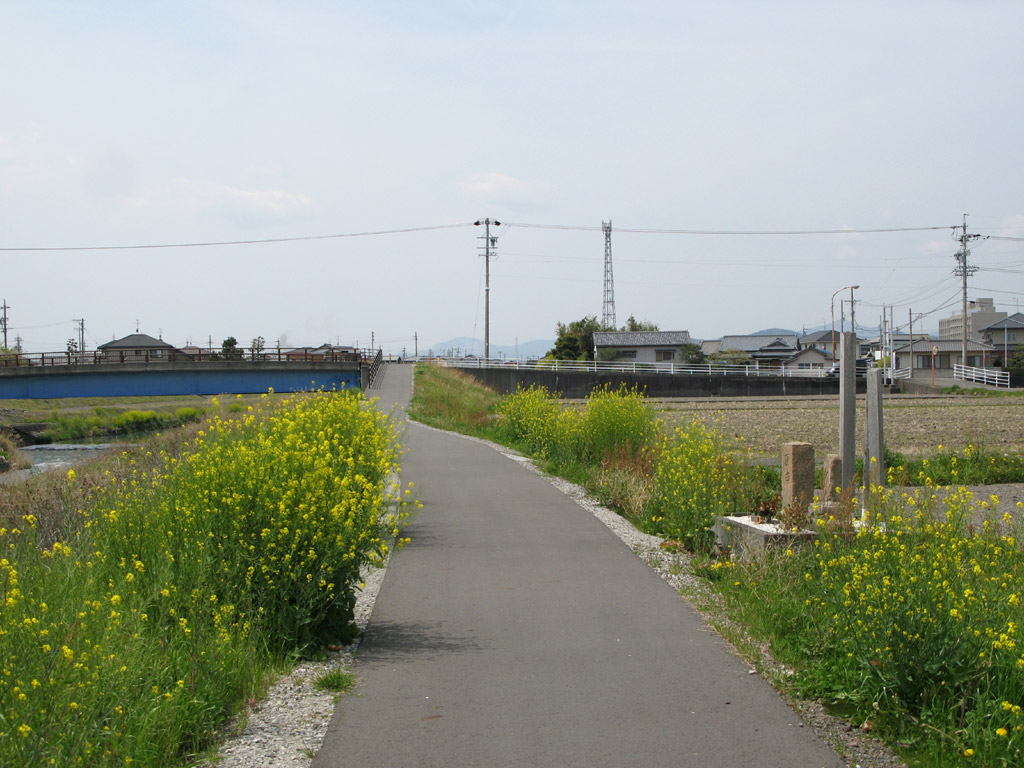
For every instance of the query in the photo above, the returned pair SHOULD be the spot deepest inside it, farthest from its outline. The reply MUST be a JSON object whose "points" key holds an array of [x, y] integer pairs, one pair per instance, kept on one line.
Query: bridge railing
{"points": [[372, 369], [191, 355]]}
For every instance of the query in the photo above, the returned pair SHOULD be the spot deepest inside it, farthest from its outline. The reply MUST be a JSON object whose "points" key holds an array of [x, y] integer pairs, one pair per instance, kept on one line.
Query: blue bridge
{"points": [[183, 378]]}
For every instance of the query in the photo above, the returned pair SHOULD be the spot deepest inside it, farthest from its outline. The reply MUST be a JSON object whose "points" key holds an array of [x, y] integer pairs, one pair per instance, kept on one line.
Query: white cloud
{"points": [[500, 187], [200, 196], [1013, 226]]}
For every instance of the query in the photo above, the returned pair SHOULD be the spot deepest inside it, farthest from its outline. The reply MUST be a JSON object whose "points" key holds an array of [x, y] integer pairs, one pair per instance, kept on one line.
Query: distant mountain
{"points": [[464, 345], [775, 332]]}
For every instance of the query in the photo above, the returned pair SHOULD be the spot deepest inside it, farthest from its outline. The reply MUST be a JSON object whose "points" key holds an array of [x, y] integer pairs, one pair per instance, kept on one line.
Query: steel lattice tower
{"points": [[608, 310]]}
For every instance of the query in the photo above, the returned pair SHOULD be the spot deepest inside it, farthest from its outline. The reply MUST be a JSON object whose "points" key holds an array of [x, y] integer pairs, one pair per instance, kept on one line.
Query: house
{"points": [[832, 341], [640, 346], [1006, 335], [140, 348], [764, 351], [945, 352], [811, 358], [827, 339], [324, 353]]}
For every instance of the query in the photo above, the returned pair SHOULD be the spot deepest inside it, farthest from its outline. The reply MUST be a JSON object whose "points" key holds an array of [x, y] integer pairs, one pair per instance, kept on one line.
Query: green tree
{"points": [[229, 349], [632, 324], [575, 341], [730, 357], [1016, 363], [690, 353]]}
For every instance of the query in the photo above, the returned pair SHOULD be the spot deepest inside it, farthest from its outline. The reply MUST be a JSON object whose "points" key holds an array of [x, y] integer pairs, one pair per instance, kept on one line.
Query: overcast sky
{"points": [[125, 122]]}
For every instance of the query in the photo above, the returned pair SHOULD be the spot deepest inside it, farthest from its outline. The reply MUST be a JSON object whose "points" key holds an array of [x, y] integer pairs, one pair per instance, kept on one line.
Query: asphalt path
{"points": [[517, 630]]}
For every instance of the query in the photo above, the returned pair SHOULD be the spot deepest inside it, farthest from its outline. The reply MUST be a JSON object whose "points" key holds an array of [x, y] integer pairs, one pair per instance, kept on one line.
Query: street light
{"points": [[845, 287]]}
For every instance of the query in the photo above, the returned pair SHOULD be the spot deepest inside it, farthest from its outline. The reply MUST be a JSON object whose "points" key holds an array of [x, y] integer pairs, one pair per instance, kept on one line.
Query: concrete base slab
{"points": [[747, 539]]}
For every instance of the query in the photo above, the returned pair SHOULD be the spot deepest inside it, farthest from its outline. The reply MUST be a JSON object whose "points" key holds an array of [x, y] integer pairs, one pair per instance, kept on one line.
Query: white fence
{"points": [[677, 369], [982, 375]]}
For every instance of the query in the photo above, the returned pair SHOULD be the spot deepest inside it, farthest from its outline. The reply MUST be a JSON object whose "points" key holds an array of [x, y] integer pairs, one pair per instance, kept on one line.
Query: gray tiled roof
{"points": [[946, 345], [755, 343], [826, 335], [641, 338], [137, 341], [1014, 321]]}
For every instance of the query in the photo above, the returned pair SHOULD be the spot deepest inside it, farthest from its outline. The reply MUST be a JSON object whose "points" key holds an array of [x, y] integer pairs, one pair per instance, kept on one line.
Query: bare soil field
{"points": [[915, 425]]}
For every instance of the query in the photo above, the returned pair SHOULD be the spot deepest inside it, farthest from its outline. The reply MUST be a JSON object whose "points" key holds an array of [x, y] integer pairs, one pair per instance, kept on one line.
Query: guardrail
{"points": [[594, 366], [981, 375]]}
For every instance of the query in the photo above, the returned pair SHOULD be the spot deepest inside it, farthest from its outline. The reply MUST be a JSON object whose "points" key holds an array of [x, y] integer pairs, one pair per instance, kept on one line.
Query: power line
{"points": [[238, 242], [569, 227], [737, 231]]}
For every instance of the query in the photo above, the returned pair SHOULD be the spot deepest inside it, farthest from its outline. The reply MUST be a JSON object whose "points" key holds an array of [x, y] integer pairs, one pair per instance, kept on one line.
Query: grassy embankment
{"points": [[908, 622], [103, 418], [145, 598]]}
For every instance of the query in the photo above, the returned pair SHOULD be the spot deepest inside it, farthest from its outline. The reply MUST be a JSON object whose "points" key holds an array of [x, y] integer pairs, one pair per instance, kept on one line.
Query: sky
{"points": [[317, 124]]}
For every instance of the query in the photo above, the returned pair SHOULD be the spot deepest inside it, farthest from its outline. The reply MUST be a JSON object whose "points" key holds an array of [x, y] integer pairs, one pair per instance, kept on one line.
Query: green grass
{"points": [[76, 419], [449, 399], [337, 680], [912, 623]]}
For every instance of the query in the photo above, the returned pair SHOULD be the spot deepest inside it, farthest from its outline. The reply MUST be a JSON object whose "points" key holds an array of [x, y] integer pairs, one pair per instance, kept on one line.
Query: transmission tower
{"points": [[608, 310], [964, 271]]}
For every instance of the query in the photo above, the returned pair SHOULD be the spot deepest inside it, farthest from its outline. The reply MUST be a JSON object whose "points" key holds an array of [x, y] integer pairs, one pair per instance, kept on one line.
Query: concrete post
{"points": [[848, 407], [874, 443]]}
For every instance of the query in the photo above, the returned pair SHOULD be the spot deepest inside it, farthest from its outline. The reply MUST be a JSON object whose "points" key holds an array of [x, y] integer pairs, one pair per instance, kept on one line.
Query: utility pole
{"points": [[608, 310], [963, 271], [853, 321], [910, 317], [883, 332], [892, 345], [81, 335], [489, 242], [5, 322], [416, 344]]}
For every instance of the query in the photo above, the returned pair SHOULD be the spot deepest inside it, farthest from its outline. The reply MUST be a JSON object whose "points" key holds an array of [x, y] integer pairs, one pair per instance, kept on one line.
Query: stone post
{"points": [[797, 475], [874, 442], [848, 407], [831, 477]]}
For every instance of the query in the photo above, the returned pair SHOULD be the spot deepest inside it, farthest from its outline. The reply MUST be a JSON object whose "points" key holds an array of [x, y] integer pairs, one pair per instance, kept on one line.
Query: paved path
{"points": [[517, 630]]}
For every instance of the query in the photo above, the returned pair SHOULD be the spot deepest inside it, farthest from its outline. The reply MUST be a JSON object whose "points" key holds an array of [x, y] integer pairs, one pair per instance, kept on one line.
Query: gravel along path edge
{"points": [[287, 727]]}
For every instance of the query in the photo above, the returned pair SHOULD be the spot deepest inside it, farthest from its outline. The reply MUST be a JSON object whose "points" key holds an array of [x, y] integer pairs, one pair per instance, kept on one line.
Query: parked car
{"points": [[862, 368]]}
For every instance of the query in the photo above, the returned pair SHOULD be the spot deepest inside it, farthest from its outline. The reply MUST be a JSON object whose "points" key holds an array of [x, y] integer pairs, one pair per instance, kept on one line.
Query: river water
{"points": [[63, 456]]}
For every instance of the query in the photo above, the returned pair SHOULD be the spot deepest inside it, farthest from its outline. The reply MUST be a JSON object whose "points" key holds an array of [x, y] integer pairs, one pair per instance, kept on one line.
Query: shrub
{"points": [[697, 479], [137, 421], [615, 421], [527, 419]]}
